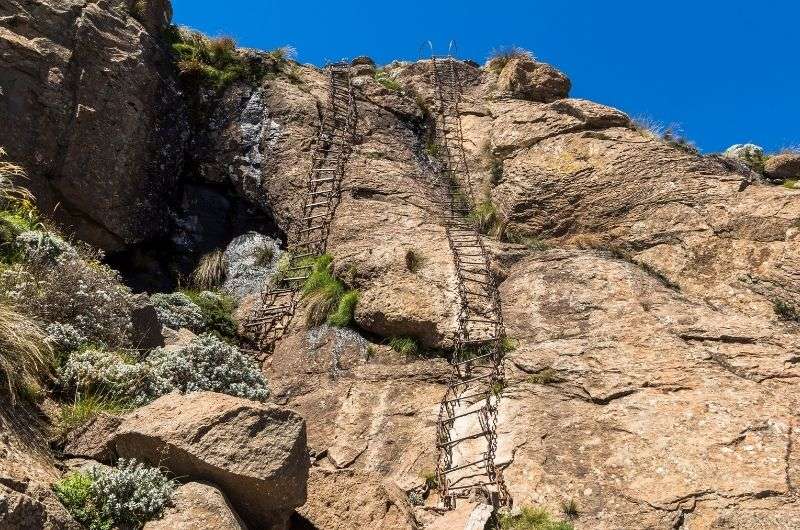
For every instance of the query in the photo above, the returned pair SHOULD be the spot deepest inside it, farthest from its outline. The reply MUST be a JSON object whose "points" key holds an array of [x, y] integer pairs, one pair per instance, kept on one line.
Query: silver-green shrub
{"points": [[132, 493], [207, 363], [96, 371], [64, 338], [176, 310], [46, 247]]}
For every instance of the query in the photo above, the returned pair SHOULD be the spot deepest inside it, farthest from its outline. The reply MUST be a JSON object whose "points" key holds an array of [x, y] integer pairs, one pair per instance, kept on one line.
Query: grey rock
{"points": [[247, 270]]}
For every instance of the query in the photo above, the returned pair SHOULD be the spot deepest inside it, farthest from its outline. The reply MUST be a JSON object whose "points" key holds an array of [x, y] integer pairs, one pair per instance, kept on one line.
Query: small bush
{"points": [[329, 300], [64, 339], [205, 364], [545, 377], [25, 355], [210, 271], [501, 56], [84, 294], [264, 255], [127, 496], [487, 219], [755, 160], [43, 247], [532, 519], [283, 54], [674, 139], [786, 311], [792, 184], [570, 509], [97, 372], [509, 344], [217, 312], [414, 260], [531, 243], [214, 62], [176, 310], [404, 345], [428, 476]]}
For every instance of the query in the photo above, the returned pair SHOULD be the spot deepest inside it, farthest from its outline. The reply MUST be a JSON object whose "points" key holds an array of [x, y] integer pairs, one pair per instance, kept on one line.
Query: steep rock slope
{"points": [[91, 107]]}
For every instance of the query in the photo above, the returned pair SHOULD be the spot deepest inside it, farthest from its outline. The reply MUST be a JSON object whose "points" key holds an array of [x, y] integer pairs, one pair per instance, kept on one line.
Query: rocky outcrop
{"points": [[524, 78], [198, 506], [255, 453], [93, 113], [93, 439], [783, 166], [25, 505]]}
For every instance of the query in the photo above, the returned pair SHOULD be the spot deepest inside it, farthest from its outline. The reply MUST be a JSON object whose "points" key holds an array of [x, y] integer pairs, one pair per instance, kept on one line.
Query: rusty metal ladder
{"points": [[309, 236], [467, 421]]}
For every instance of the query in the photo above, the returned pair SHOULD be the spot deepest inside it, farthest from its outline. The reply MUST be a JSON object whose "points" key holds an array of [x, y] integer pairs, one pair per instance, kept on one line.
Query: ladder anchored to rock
{"points": [[309, 236], [466, 435]]}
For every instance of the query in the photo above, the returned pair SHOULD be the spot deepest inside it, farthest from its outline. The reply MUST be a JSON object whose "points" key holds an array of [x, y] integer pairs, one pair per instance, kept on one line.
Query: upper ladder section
{"points": [[467, 422], [308, 237]]}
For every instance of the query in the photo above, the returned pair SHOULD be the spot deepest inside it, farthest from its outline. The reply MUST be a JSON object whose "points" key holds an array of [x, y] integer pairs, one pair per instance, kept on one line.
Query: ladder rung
{"points": [[464, 466], [454, 418], [473, 379], [469, 396], [467, 361], [318, 227], [314, 205], [478, 485], [317, 181], [295, 279], [463, 438]]}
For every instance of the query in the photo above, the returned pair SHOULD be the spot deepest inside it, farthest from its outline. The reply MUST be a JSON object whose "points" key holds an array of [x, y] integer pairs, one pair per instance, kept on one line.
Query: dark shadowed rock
{"points": [[146, 333], [92, 440], [783, 166], [92, 110], [30, 506]]}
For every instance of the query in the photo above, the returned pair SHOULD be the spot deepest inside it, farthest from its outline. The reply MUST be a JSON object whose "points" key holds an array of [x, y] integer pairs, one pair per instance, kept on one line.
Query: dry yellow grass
{"points": [[10, 192], [211, 270], [25, 356]]}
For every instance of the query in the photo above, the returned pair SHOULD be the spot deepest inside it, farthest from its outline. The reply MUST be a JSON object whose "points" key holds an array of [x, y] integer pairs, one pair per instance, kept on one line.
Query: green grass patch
{"points": [[75, 493], [545, 377], [429, 478], [414, 260], [84, 408], [792, 184], [329, 299], [532, 519], [405, 345]]}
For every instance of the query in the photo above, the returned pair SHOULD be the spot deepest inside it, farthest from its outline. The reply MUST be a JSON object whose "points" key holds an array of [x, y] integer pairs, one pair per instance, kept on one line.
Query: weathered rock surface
{"points": [[255, 453], [93, 440], [250, 260], [92, 111], [198, 506], [27, 505], [525, 78], [783, 166], [347, 499]]}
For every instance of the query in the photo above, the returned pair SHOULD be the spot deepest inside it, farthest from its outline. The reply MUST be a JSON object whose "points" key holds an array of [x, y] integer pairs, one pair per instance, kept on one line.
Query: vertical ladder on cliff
{"points": [[467, 422], [309, 236]]}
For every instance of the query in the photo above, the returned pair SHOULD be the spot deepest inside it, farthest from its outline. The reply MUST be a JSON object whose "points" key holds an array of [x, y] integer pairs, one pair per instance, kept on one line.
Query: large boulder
{"points": [[250, 260], [524, 78], [255, 453], [198, 506], [26, 505], [783, 166], [744, 151], [94, 114]]}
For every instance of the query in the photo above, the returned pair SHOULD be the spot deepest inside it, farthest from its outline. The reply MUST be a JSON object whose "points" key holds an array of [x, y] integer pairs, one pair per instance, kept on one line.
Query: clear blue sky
{"points": [[725, 71]]}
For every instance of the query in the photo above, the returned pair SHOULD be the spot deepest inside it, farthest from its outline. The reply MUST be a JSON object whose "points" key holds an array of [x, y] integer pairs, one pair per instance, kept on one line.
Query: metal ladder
{"points": [[466, 437], [309, 236]]}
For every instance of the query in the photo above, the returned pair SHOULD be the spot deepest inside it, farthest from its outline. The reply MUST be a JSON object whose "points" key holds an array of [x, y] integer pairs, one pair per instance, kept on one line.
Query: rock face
{"points": [[29, 506], [198, 506], [783, 166], [255, 453], [93, 113], [347, 499]]}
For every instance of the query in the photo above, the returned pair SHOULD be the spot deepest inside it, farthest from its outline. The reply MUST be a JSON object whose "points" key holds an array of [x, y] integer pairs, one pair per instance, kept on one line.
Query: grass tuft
{"points": [[414, 260], [26, 358], [210, 271], [786, 311], [382, 77], [404, 345], [503, 55], [329, 299], [570, 509], [86, 407], [532, 519]]}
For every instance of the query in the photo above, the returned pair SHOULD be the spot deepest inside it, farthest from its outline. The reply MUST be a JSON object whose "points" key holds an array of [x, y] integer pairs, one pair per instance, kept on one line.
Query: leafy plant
{"points": [[509, 344], [127, 496], [345, 310], [545, 377], [177, 310], [25, 355], [532, 519], [786, 311], [264, 256], [404, 345], [755, 160], [487, 219], [104, 376]]}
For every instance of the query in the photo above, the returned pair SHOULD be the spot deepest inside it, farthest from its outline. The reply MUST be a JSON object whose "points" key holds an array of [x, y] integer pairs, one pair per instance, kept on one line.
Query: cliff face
{"points": [[653, 381]]}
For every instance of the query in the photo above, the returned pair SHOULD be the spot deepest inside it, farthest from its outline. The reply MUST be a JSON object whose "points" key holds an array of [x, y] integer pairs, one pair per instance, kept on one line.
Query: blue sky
{"points": [[725, 71]]}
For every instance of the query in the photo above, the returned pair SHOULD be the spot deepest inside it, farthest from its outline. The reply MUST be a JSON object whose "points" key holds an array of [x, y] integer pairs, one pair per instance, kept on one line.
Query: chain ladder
{"points": [[477, 378], [309, 236]]}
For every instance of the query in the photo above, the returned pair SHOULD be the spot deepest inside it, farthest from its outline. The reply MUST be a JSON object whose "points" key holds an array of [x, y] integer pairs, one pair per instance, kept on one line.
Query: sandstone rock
{"points": [[92, 440], [97, 116], [340, 500], [198, 506], [255, 453], [525, 78], [175, 339], [155, 15], [466, 516], [783, 166], [363, 60]]}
